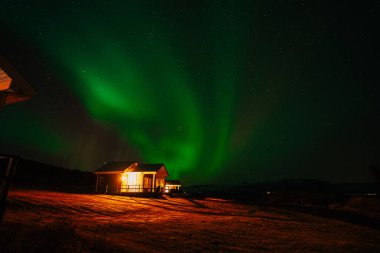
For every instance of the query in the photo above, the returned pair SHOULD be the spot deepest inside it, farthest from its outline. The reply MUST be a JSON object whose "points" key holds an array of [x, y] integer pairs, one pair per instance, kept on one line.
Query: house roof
{"points": [[173, 182], [131, 166], [116, 166], [146, 168]]}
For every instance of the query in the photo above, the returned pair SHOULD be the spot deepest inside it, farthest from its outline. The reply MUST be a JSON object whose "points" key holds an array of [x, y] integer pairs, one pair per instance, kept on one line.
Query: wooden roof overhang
{"points": [[115, 167], [13, 87]]}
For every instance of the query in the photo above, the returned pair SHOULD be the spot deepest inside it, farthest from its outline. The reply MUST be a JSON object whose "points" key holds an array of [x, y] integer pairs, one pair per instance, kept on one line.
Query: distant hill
{"points": [[286, 190], [37, 175]]}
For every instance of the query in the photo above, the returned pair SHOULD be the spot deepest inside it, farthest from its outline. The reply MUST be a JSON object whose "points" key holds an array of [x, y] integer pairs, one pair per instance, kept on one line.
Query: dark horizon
{"points": [[219, 92], [27, 164]]}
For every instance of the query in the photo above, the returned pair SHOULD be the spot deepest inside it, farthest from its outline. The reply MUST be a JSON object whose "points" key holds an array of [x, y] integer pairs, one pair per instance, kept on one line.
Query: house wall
{"points": [[132, 182], [160, 182], [161, 173], [161, 178], [125, 182], [108, 183]]}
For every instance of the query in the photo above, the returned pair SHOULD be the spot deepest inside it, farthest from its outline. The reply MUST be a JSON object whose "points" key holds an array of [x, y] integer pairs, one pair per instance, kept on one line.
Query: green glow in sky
{"points": [[202, 87]]}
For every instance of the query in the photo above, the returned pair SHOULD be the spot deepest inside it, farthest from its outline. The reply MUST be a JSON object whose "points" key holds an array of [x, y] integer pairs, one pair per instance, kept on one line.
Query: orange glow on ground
{"points": [[83, 222]]}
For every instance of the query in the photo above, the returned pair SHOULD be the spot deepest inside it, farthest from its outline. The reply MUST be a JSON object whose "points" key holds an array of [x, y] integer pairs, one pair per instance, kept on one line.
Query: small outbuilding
{"points": [[130, 177], [172, 185]]}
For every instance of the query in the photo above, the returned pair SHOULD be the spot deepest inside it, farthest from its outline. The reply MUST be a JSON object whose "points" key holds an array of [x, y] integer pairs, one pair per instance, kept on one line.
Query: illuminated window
{"points": [[132, 179]]}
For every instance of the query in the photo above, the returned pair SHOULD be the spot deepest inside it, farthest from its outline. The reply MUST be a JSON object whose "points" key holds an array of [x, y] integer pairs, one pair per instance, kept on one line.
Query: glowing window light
{"points": [[132, 178]]}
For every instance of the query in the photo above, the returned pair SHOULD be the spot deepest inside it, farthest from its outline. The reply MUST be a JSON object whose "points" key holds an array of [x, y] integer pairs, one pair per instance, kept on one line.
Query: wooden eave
{"points": [[14, 86]]}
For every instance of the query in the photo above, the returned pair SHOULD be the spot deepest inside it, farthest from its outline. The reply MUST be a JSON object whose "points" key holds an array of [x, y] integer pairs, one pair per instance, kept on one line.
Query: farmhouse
{"points": [[130, 177]]}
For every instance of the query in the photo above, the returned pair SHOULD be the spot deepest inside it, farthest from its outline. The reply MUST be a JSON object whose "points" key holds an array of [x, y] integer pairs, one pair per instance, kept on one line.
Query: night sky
{"points": [[219, 91]]}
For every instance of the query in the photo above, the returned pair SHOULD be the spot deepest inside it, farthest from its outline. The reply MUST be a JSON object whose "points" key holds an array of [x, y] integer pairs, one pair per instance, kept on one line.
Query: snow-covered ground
{"points": [[44, 221]]}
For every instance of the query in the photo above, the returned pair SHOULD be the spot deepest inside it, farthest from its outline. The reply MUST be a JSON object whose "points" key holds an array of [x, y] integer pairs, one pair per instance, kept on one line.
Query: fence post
{"points": [[7, 170]]}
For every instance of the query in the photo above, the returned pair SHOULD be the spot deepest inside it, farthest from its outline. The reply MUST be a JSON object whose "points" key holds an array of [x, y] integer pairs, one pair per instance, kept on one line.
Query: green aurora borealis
{"points": [[261, 90]]}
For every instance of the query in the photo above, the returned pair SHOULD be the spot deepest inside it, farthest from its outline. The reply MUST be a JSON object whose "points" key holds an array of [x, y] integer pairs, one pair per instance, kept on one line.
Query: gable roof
{"points": [[131, 166], [116, 166], [146, 168]]}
